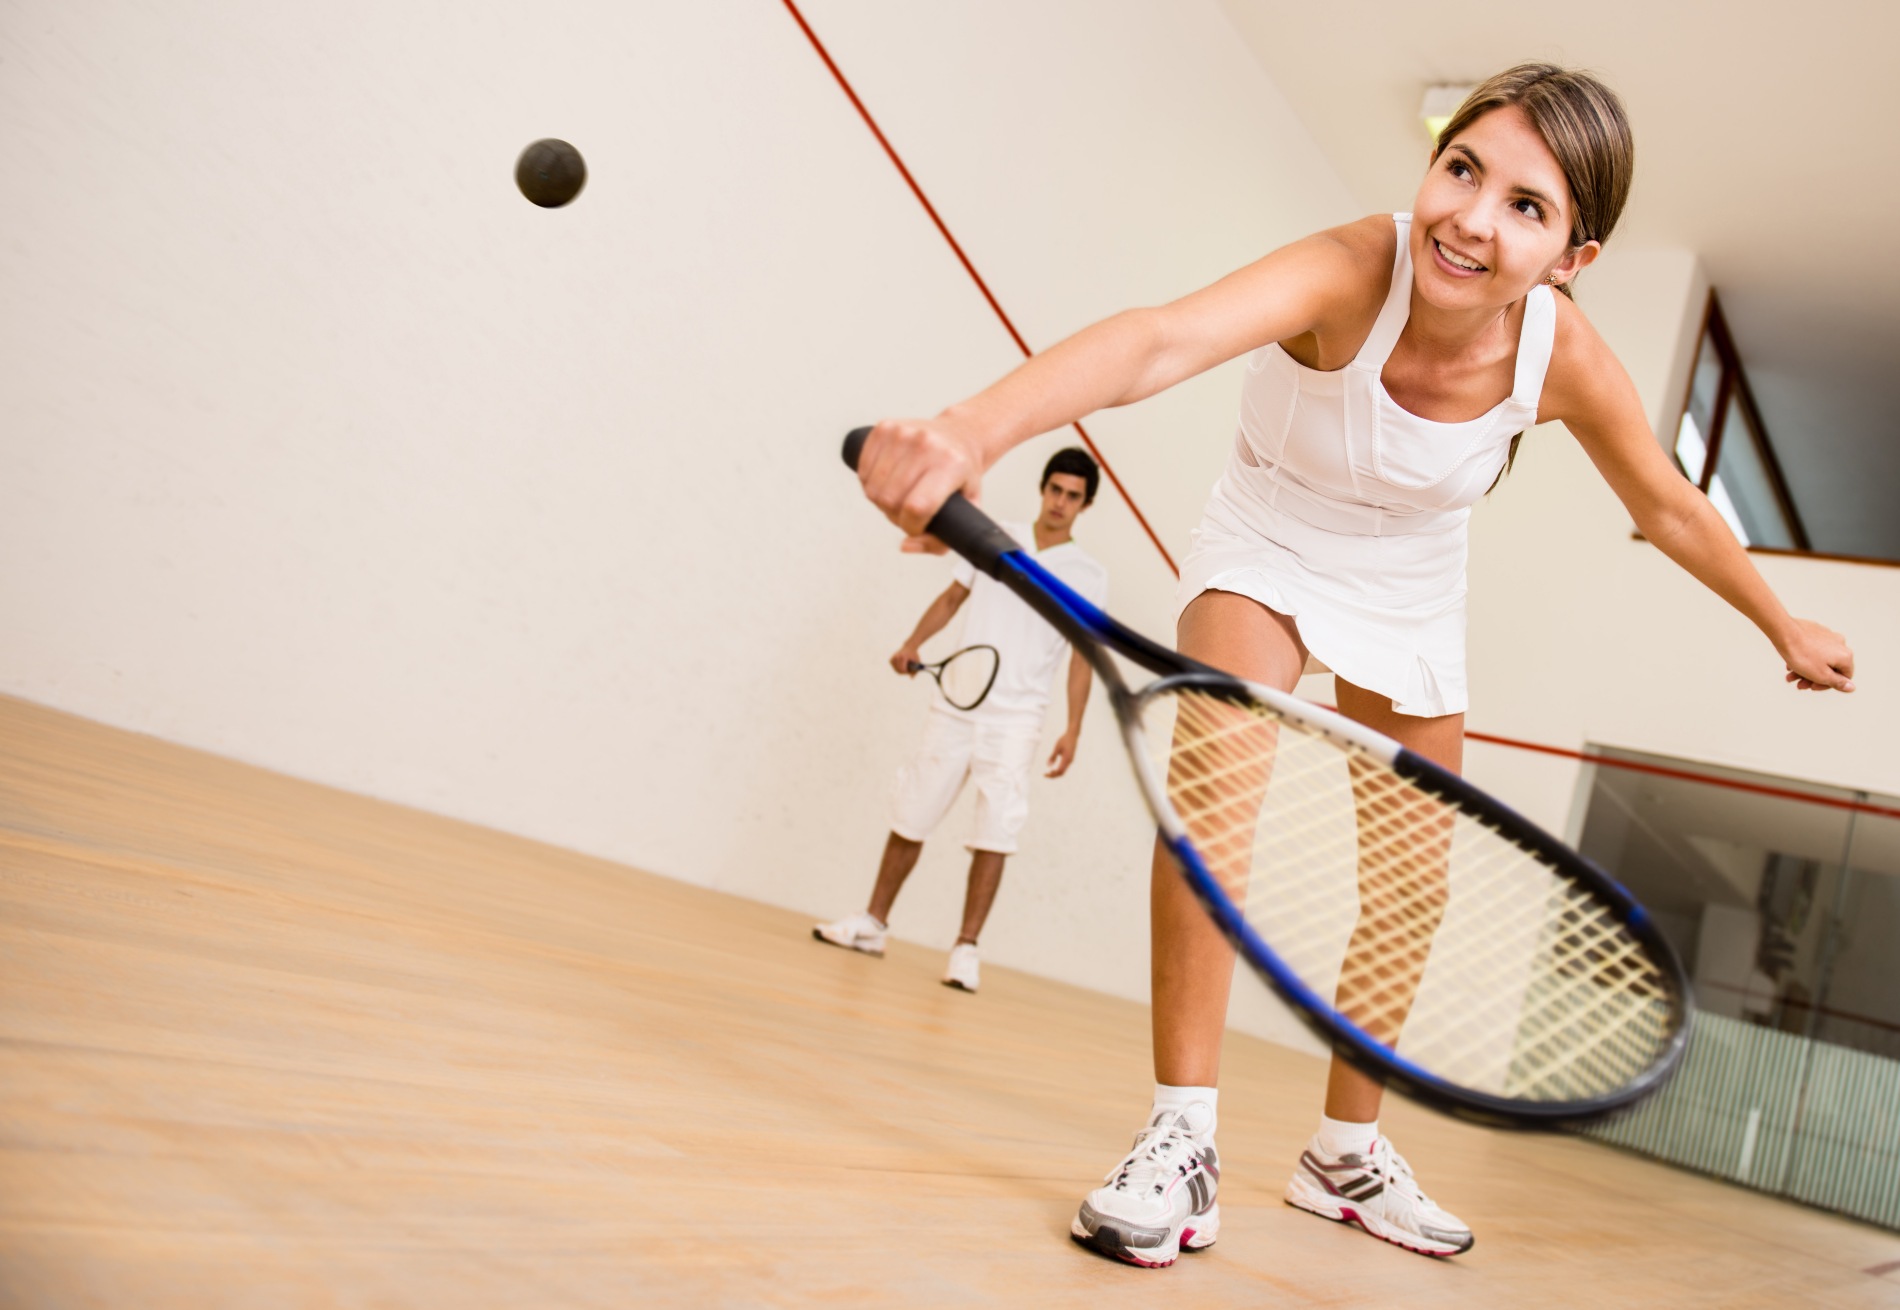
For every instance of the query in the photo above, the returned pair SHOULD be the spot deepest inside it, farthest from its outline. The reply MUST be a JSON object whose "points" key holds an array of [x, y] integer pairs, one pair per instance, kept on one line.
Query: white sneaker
{"points": [[1378, 1193], [962, 969], [1158, 1202], [854, 932]]}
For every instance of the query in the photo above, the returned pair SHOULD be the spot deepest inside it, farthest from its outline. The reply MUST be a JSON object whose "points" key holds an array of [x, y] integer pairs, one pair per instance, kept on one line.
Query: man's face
{"points": [[1063, 497]]}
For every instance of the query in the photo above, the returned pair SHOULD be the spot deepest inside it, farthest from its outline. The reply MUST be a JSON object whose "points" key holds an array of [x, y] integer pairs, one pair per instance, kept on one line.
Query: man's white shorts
{"points": [[997, 755]]}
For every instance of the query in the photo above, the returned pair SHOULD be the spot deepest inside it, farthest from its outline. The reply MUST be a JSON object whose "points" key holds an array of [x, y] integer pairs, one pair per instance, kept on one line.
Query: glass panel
{"points": [[1725, 506], [1740, 882], [1692, 452], [1861, 1004], [1786, 909], [1847, 1144], [1744, 477]]}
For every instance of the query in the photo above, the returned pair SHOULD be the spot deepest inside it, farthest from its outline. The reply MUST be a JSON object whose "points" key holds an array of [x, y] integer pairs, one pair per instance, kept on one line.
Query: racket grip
{"points": [[959, 525]]}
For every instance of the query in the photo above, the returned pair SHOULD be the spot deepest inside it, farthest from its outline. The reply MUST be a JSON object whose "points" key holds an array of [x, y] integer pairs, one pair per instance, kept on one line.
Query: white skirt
{"points": [[1384, 613]]}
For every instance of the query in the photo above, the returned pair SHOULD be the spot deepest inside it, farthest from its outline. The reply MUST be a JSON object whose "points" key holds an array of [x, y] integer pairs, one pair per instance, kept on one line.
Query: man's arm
{"points": [[1080, 675], [935, 619]]}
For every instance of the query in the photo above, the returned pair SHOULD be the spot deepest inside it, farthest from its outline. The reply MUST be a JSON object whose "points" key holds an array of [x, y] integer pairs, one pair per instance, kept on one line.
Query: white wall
{"points": [[1579, 633], [327, 451]]}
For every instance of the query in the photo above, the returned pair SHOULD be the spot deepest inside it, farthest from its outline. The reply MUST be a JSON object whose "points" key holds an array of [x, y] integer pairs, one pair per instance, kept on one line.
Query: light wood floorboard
{"points": [[268, 1044]]}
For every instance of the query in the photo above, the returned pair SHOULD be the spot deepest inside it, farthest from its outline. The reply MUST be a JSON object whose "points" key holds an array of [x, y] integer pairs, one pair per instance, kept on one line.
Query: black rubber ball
{"points": [[550, 173]]}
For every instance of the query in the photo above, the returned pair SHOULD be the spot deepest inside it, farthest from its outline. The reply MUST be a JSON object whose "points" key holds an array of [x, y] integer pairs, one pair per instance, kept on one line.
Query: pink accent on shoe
{"points": [[1347, 1216], [1145, 1264]]}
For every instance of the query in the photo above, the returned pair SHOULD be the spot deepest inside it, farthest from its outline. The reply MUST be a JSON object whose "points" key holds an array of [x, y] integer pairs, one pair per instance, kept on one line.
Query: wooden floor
{"points": [[264, 1044]]}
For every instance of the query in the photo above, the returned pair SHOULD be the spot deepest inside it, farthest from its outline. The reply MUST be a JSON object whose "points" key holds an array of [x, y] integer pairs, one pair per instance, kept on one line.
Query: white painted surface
{"points": [[327, 451]]}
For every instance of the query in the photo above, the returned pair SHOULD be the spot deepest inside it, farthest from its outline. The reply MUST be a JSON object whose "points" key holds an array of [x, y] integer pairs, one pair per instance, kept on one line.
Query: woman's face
{"points": [[1493, 216]]}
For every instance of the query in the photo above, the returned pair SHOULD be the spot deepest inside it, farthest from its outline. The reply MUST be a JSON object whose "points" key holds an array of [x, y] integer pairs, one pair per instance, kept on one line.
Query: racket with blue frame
{"points": [[1433, 936]]}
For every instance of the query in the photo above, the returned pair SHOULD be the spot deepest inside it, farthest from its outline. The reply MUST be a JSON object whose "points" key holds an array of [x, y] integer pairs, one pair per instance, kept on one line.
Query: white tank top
{"points": [[1348, 513], [1335, 451]]}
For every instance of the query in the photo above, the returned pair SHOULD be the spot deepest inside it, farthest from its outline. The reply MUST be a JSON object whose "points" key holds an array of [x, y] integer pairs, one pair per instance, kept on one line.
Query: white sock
{"points": [[1337, 1137], [1197, 1104]]}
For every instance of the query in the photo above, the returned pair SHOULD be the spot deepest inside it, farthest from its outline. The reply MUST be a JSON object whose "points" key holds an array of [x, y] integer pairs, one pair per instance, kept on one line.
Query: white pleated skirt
{"points": [[1386, 613]]}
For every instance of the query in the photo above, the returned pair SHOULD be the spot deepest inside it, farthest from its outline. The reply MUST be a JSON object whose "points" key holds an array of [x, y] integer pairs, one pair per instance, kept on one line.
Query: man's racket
{"points": [[1433, 936], [965, 676]]}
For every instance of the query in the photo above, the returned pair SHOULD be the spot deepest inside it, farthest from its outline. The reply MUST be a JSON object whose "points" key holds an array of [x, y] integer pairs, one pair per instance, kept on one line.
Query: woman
{"points": [[1396, 361]]}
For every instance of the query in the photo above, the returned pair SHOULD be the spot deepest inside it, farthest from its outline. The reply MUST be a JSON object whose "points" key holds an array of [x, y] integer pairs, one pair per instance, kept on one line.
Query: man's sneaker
{"points": [[962, 969], [1377, 1192], [854, 932], [1158, 1202]]}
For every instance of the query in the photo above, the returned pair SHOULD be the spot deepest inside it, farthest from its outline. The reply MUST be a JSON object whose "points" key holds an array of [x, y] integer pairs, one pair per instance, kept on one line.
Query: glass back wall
{"points": [[1784, 899]]}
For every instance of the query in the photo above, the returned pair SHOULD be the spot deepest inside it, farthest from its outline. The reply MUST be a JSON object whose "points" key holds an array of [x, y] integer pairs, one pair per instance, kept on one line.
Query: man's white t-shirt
{"points": [[1029, 650]]}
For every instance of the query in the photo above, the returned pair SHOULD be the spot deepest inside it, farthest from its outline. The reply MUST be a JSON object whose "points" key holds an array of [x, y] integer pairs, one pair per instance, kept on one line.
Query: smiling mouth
{"points": [[1456, 260]]}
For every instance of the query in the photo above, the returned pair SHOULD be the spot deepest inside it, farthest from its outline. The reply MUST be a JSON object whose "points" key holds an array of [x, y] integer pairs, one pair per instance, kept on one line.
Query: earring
{"points": [[1553, 279]]}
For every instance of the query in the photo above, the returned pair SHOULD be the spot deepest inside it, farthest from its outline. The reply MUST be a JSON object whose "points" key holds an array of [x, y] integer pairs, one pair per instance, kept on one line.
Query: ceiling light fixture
{"points": [[1441, 102]]}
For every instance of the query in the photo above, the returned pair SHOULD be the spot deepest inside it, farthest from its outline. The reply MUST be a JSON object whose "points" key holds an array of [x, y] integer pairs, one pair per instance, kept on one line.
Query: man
{"points": [[995, 743]]}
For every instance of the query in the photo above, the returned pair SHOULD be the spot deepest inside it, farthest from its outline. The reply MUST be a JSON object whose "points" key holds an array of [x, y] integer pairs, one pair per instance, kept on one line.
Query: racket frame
{"points": [[936, 672], [974, 535]]}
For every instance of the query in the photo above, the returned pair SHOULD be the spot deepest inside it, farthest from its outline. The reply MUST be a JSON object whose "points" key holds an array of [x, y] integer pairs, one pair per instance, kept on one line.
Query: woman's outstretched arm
{"points": [[1591, 393], [909, 467]]}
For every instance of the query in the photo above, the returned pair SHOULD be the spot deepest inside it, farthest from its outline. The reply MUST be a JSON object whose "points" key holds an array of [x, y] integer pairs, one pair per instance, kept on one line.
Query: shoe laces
{"points": [[1162, 1150], [1395, 1170]]}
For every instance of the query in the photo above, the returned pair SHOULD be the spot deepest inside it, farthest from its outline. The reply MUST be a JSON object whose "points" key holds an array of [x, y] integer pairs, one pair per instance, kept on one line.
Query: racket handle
{"points": [[913, 666], [959, 525]]}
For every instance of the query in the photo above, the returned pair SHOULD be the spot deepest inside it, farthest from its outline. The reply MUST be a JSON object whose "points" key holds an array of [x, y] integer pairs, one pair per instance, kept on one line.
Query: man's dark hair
{"points": [[1078, 462]]}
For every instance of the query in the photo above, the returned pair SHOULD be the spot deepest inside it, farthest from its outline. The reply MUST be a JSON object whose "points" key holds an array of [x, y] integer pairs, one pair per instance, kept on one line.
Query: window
{"points": [[1721, 446]]}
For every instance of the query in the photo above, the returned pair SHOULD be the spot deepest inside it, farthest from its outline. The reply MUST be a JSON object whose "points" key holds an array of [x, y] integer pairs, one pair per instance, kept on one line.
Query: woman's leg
{"points": [[1192, 964], [1351, 1173], [1353, 1096], [1162, 1198]]}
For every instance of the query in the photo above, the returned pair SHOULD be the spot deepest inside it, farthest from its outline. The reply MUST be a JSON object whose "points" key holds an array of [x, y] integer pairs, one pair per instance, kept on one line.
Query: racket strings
{"points": [[1471, 956], [966, 677]]}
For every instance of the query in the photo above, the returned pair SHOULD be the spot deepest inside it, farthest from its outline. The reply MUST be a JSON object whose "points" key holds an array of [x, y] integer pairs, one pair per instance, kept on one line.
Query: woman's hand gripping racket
{"points": [[1434, 937], [964, 676]]}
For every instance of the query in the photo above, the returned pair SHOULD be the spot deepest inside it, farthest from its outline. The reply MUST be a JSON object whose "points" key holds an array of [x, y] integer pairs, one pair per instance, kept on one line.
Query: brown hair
{"points": [[1582, 122]]}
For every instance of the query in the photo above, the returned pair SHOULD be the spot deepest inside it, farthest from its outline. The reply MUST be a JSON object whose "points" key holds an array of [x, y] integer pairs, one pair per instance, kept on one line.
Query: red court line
{"points": [[970, 268], [1689, 775]]}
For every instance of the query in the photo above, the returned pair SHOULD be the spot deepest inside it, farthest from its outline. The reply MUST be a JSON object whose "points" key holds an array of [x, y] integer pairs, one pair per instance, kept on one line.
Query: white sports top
{"points": [[1344, 510], [1029, 650]]}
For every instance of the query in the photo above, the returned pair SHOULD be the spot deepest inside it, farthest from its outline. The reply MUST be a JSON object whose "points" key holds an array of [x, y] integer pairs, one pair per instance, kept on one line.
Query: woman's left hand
{"points": [[1818, 658]]}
